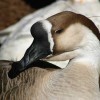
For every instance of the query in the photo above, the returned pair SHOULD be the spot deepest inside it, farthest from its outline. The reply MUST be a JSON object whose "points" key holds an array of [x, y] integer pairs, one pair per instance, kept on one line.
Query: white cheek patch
{"points": [[50, 39], [47, 26]]}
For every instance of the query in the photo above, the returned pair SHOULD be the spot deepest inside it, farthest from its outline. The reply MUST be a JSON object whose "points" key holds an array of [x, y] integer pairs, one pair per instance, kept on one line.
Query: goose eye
{"points": [[59, 31]]}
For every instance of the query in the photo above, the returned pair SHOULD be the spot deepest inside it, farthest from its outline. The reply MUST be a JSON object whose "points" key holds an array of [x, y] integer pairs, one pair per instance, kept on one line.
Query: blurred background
{"points": [[12, 11]]}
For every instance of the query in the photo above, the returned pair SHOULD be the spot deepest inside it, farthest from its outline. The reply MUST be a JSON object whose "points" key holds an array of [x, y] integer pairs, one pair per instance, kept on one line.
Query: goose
{"points": [[63, 36]]}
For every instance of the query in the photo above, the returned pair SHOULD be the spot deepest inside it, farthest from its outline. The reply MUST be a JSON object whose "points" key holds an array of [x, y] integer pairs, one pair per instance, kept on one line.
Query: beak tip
{"points": [[15, 70]]}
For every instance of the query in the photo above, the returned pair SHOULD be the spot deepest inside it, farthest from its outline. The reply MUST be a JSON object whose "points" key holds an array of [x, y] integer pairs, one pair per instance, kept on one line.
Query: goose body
{"points": [[76, 82]]}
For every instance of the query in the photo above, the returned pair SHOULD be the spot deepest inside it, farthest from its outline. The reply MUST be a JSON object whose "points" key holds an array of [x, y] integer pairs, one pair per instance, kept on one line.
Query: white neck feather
{"points": [[89, 52]]}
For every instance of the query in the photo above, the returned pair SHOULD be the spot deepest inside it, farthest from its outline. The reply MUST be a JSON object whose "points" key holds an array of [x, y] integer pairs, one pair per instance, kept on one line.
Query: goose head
{"points": [[60, 33], [70, 32]]}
